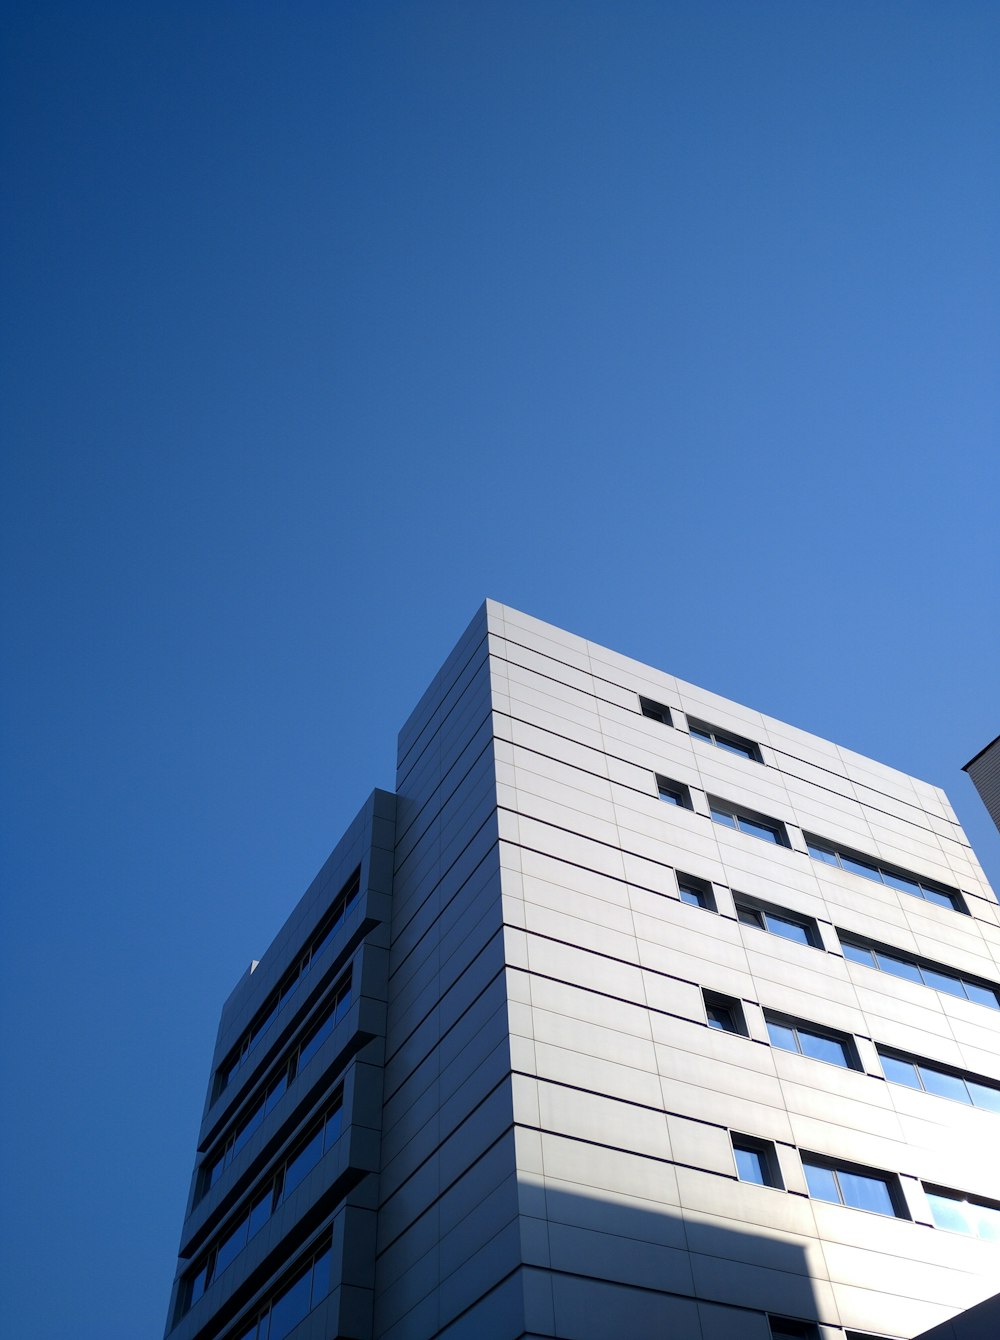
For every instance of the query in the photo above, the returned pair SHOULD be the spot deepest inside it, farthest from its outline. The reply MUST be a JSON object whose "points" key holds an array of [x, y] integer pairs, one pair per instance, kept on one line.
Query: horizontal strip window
{"points": [[857, 1188], [655, 711], [777, 921], [228, 1244], [733, 744], [919, 1074], [673, 793], [274, 1090], [286, 988], [904, 881], [755, 825], [918, 970], [959, 1213], [792, 1035], [293, 1302], [788, 1328]]}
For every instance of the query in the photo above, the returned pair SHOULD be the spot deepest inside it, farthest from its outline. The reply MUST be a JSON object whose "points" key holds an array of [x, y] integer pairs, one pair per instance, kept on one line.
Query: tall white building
{"points": [[633, 1013]]}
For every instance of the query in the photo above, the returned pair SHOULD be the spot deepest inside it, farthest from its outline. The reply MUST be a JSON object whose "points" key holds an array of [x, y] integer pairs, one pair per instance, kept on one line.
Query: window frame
{"points": [[920, 1063], [730, 741], [845, 1041], [700, 891], [933, 1190], [758, 915], [727, 815], [853, 945], [654, 711], [884, 872], [889, 1180], [767, 1155], [671, 792], [715, 1000]]}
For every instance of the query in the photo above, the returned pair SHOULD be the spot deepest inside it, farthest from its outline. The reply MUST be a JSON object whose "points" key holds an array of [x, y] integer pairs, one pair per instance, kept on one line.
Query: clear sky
{"points": [[675, 324]]}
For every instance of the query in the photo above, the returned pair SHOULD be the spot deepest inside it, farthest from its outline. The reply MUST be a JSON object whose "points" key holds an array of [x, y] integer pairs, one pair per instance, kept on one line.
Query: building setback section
{"points": [[563, 1040]]}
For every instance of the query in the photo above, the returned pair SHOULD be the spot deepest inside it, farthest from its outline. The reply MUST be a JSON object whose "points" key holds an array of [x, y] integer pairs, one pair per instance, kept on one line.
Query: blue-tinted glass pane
{"points": [[788, 930], [321, 943], [289, 1309], [733, 747], [781, 1036], [214, 1172], [720, 1017], [943, 981], [276, 1090], [262, 1023], [987, 1222], [947, 1086], [751, 1166], [858, 954], [750, 917], [343, 1004], [251, 1334], [949, 1213], [694, 897], [982, 995], [671, 796], [900, 1072], [231, 1246], [857, 867], [251, 1123], [757, 829], [291, 985], [306, 1159], [700, 734], [901, 883], [821, 1182], [334, 1125], [865, 1193], [316, 1039], [260, 1211], [321, 1276], [724, 817], [198, 1282], [821, 1048], [899, 967], [984, 1095], [941, 899], [821, 854]]}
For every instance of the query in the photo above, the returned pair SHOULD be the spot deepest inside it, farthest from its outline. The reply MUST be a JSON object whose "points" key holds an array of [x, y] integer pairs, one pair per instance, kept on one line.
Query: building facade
{"points": [[633, 1013], [984, 770]]}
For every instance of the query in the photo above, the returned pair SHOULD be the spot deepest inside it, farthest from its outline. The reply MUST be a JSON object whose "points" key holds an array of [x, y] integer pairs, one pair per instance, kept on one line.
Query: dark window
{"points": [[857, 1188], [695, 892], [724, 1014], [918, 970], [733, 744], [280, 1184], [755, 825], [791, 1035], [756, 1161], [777, 921], [674, 793], [655, 711], [786, 1328], [275, 1002], [895, 878], [960, 1213]]}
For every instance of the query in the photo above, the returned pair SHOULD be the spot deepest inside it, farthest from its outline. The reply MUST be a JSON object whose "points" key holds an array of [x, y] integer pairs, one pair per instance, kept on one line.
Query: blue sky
{"points": [[675, 324]]}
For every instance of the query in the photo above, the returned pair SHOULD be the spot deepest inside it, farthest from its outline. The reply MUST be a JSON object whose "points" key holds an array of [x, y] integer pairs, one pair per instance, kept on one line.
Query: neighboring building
{"points": [[984, 770], [633, 1013]]}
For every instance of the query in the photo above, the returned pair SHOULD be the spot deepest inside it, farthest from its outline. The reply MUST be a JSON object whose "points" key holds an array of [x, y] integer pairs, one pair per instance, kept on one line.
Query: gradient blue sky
{"points": [[675, 324]]}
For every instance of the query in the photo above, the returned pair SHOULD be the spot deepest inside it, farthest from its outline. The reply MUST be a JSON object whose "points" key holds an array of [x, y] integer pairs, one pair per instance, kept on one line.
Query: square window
{"points": [[673, 793], [695, 892], [756, 1161], [655, 711], [725, 1014]]}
